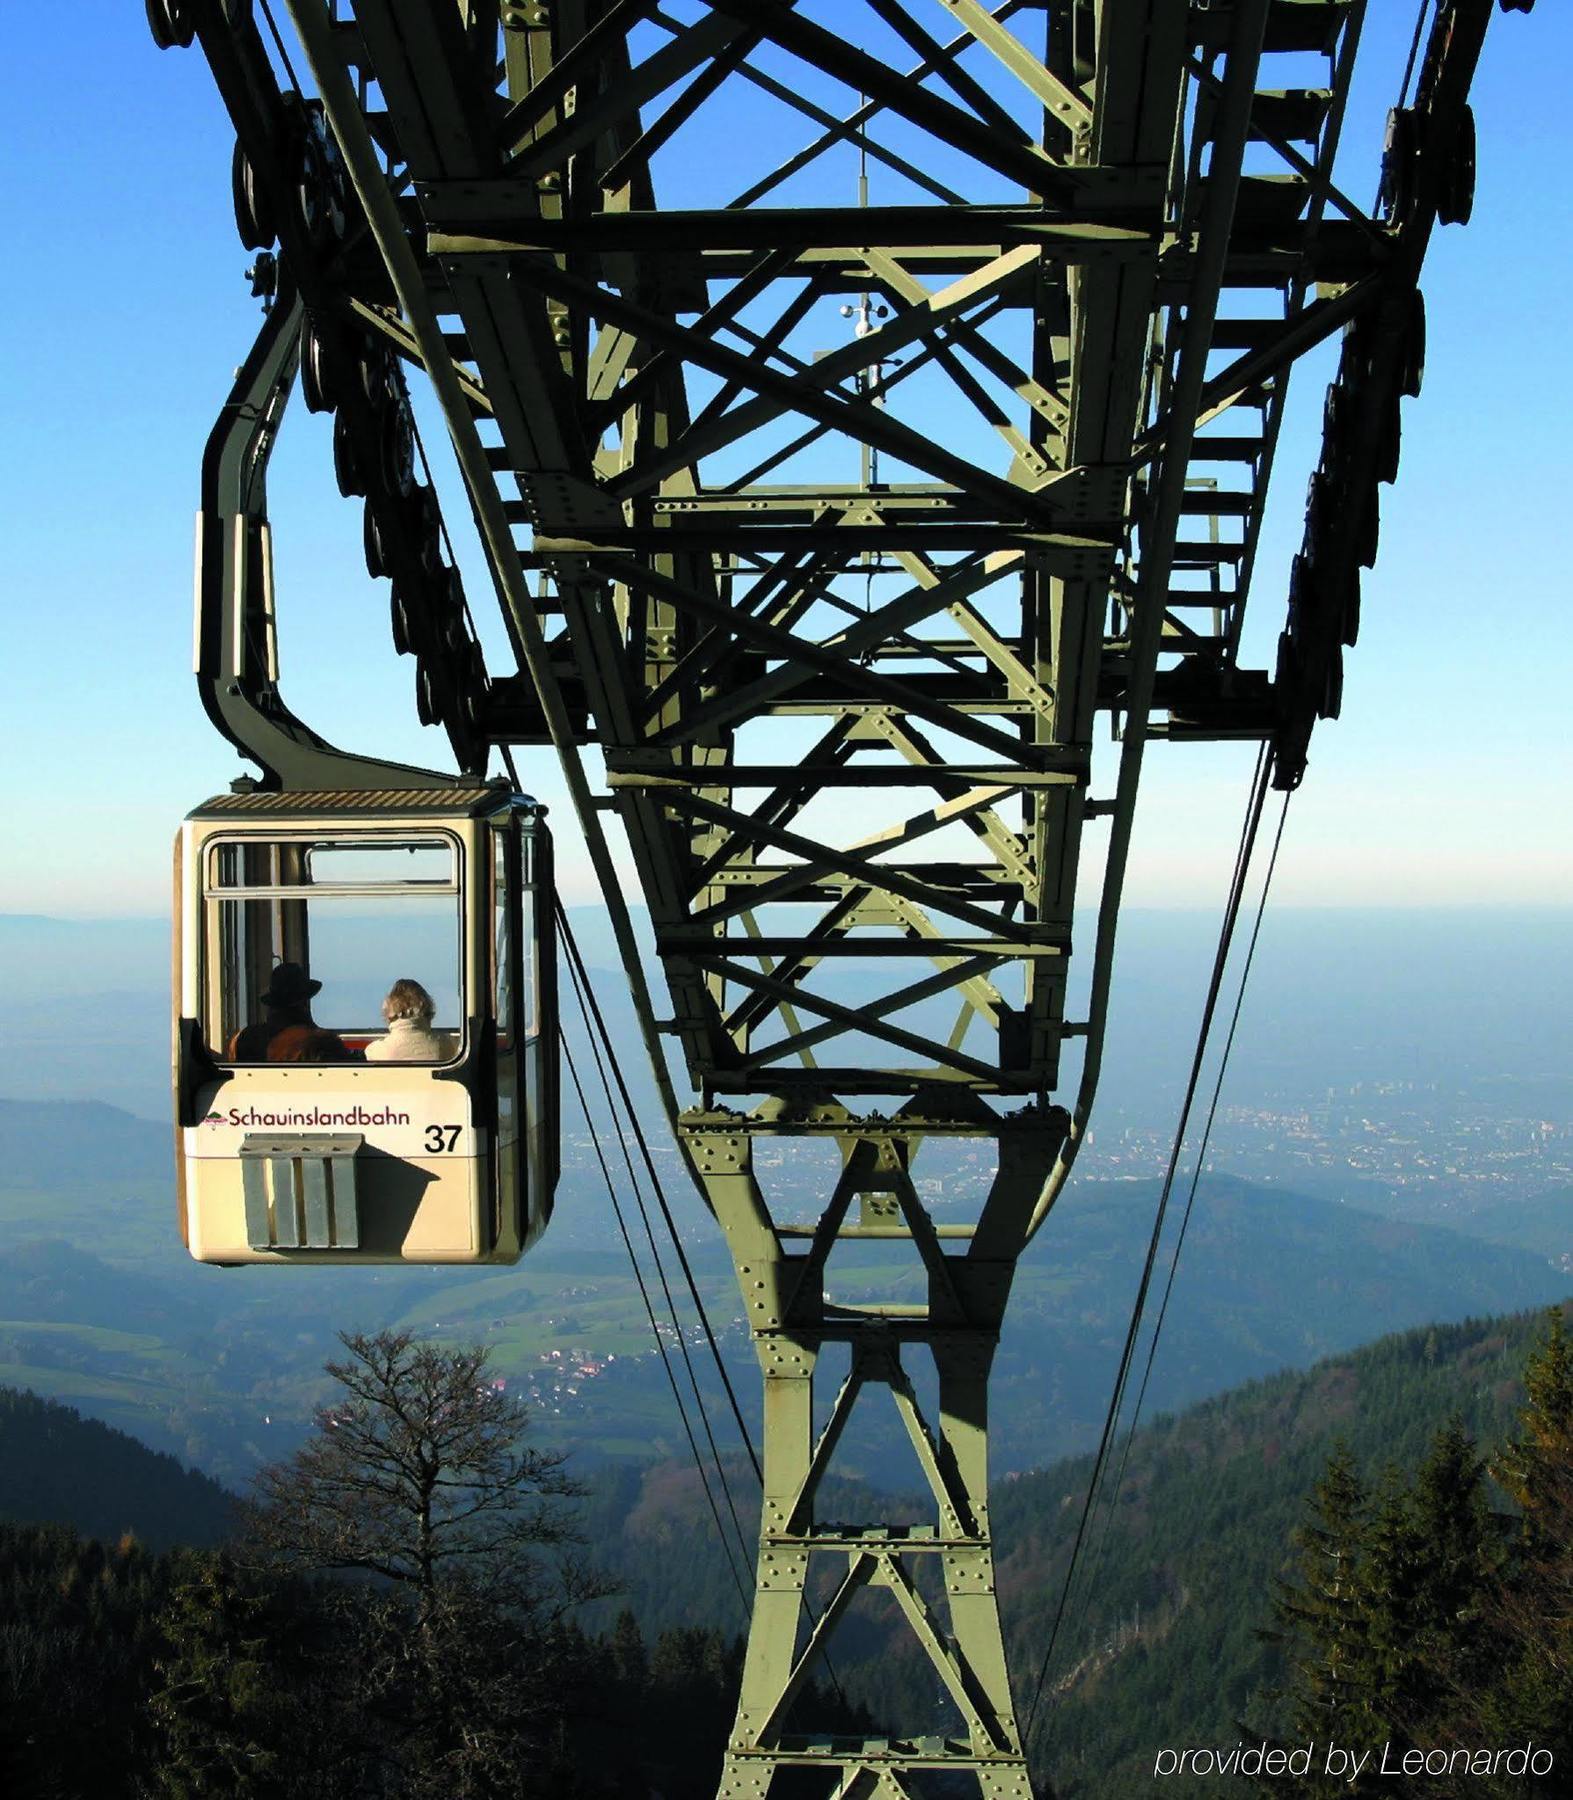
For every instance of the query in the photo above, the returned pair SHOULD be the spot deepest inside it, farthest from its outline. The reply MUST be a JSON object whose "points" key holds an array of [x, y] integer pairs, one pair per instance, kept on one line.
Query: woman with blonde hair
{"points": [[409, 1010]]}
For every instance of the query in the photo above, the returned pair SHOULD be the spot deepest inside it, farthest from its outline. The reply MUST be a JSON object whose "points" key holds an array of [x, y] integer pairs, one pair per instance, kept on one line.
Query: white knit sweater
{"points": [[408, 1040]]}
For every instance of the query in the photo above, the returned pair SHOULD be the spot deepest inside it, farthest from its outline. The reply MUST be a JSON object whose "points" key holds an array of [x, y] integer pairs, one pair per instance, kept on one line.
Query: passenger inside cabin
{"points": [[409, 1010], [287, 1032]]}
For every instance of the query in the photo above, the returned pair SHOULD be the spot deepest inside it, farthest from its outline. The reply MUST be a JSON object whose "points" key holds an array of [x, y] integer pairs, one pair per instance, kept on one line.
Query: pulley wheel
{"points": [[1387, 445], [1333, 414], [253, 215], [398, 449], [399, 620], [316, 196], [1400, 153], [376, 552], [1318, 508], [1354, 362], [1415, 346], [374, 368], [427, 519], [472, 690], [428, 706], [1457, 199], [1370, 532], [173, 27], [1300, 592], [416, 509], [346, 468], [1333, 687], [451, 586], [316, 365], [1349, 624]]}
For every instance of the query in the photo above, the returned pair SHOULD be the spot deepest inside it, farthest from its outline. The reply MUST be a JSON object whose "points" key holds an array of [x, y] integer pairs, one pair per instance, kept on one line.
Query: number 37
{"points": [[441, 1137]]}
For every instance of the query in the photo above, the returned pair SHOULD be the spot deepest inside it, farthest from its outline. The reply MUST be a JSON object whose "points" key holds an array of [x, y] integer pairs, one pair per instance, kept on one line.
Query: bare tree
{"points": [[419, 1476], [419, 1471]]}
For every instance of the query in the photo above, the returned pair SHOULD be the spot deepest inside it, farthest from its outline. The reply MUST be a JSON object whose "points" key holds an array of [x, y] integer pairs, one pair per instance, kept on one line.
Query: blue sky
{"points": [[1446, 782]]}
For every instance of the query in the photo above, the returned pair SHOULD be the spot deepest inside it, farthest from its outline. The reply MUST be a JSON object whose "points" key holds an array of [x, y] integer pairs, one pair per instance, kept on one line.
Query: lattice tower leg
{"points": [[781, 1273]]}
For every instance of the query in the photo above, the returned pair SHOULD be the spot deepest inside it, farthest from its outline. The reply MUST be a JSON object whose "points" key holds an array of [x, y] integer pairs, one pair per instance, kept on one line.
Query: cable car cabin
{"points": [[327, 1110]]}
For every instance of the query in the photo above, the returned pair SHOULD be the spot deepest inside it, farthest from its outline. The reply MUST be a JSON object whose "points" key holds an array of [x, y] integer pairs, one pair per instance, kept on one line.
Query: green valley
{"points": [[100, 1307]]}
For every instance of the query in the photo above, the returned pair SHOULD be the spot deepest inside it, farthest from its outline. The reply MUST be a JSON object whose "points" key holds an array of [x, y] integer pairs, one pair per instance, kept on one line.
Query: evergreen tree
{"points": [[76, 1646], [630, 1664], [1422, 1619], [1459, 1551], [1530, 1605], [1384, 1625], [1321, 1618], [1388, 1597], [1534, 1468], [1429, 1556], [250, 1697]]}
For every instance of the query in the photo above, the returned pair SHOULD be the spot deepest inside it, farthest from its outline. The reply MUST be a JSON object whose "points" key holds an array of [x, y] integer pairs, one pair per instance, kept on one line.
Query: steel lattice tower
{"points": [[840, 614]]}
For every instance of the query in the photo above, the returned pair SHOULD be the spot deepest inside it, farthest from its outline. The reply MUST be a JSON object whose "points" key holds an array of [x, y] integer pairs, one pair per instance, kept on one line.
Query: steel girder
{"points": [[841, 618]]}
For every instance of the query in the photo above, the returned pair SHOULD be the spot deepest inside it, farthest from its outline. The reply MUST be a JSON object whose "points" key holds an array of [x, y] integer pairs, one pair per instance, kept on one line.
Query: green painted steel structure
{"points": [[840, 623]]}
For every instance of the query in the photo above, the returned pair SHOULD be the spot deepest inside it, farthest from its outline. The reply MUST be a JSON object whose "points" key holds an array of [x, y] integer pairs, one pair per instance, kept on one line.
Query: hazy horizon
{"points": [[1445, 998]]}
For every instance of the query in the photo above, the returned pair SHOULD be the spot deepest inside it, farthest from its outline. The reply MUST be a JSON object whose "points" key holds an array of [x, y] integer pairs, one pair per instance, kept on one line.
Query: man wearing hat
{"points": [[288, 1033]]}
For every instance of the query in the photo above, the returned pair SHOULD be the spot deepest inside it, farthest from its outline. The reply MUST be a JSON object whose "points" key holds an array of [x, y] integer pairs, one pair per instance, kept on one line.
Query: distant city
{"points": [[1413, 1149], [1458, 1155], [1405, 1150]]}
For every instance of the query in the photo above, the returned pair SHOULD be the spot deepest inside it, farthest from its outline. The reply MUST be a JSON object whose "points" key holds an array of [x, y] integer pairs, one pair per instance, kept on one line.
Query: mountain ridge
{"points": [[1163, 1647], [222, 1366], [57, 1467]]}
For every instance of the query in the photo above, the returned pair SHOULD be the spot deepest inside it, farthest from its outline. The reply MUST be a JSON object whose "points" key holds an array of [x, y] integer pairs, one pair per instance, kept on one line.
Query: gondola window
{"points": [[329, 924]]}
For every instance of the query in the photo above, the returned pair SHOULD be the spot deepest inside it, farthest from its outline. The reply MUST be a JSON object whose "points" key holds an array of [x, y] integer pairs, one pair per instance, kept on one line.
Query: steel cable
{"points": [[644, 1295], [584, 992], [1127, 1355], [1244, 850], [278, 44], [1414, 52], [660, 1192], [567, 930], [1190, 1199], [580, 990]]}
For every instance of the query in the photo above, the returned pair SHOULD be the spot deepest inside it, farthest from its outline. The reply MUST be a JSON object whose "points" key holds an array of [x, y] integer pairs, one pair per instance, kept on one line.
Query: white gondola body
{"points": [[339, 1157]]}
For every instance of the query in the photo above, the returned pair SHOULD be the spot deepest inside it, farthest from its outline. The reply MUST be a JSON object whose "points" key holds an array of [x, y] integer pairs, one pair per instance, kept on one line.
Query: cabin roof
{"points": [[437, 802]]}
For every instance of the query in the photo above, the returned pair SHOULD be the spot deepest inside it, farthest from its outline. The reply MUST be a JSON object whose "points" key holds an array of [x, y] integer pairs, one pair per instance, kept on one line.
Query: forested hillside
{"points": [[1166, 1651], [1163, 1647], [393, 1619], [58, 1468], [126, 1674], [77, 1650]]}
